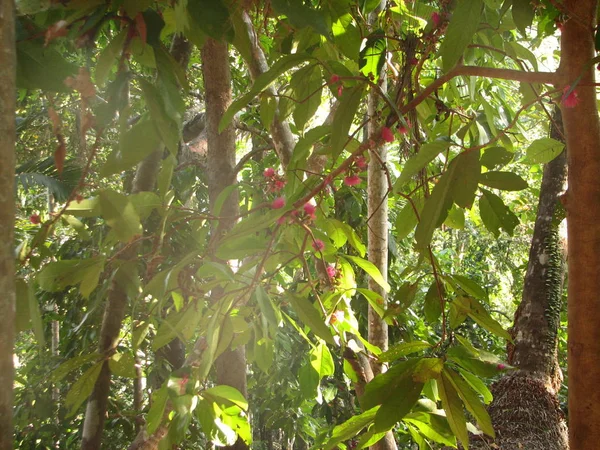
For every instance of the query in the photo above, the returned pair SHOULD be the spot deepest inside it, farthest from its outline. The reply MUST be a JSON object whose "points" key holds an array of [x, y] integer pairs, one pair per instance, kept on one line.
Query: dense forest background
{"points": [[286, 224]]}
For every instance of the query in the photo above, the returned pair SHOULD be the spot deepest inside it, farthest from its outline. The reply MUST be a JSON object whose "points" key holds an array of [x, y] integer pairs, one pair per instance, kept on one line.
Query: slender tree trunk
{"points": [[231, 365], [583, 218], [7, 218], [534, 420], [145, 180]]}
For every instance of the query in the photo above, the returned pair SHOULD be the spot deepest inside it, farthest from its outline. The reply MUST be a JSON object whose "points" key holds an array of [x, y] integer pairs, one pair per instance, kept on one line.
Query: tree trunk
{"points": [[7, 218], [583, 218], [525, 411], [145, 180], [231, 365]]}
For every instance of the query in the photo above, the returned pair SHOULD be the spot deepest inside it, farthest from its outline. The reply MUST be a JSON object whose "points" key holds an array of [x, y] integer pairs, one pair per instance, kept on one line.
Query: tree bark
{"points": [[145, 180], [583, 218], [7, 218], [525, 411], [231, 365]]}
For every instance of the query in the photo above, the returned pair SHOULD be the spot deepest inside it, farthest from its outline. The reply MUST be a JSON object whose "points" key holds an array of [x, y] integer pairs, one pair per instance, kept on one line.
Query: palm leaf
{"points": [[43, 173]]}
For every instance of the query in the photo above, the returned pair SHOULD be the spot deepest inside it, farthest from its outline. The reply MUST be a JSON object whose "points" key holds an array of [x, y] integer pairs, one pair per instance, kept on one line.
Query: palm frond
{"points": [[43, 173]]}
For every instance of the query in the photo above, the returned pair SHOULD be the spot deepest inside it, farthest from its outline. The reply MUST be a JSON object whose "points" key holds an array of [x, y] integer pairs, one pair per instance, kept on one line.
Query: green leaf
{"points": [[322, 361], [496, 156], [301, 15], [261, 83], [435, 209], [350, 428], [57, 275], [371, 270], [311, 317], [461, 29], [267, 308], [307, 86], [455, 218], [415, 163], [406, 221], [465, 178], [165, 175], [343, 118], [120, 214], [135, 144], [70, 365], [108, 57], [82, 388], [543, 150], [480, 315], [523, 13], [454, 409], [89, 207], [157, 409], [212, 17], [167, 127], [378, 389], [506, 181], [40, 67], [402, 349], [267, 109], [228, 394], [495, 214], [372, 55], [478, 385], [399, 403], [28, 314], [470, 287], [430, 432], [432, 306], [347, 36], [472, 402], [122, 365]]}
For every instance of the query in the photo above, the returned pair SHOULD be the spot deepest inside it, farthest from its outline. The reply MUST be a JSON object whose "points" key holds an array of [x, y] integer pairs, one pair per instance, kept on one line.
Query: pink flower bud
{"points": [[278, 203], [501, 366], [35, 219], [570, 99], [334, 79], [361, 162], [436, 19], [387, 134], [269, 172], [310, 209], [318, 245], [352, 180], [331, 271], [340, 90]]}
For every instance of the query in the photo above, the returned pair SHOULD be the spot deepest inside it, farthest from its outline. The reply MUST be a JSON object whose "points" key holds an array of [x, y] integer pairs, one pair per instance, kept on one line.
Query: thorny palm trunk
{"points": [[145, 179], [525, 410], [583, 221], [7, 217], [231, 365]]}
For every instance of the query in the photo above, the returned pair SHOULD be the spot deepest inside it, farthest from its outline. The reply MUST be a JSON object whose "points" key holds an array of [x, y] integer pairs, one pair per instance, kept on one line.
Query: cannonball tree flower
{"points": [[318, 245], [352, 180], [570, 97], [278, 203], [387, 135], [269, 172]]}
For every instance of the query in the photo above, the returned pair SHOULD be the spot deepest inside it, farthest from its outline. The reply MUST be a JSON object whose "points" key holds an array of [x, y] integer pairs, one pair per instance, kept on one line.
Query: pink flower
{"points": [[278, 185], [278, 203], [436, 19], [35, 219], [310, 209], [331, 271], [340, 90], [501, 366], [352, 180], [361, 162], [318, 245], [570, 99], [282, 220], [387, 134], [334, 79]]}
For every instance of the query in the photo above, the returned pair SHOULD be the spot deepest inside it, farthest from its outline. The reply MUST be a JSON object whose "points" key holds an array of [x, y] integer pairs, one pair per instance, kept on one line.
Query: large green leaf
{"points": [[108, 57], [212, 17], [82, 388], [378, 389], [350, 428], [372, 55], [465, 178], [415, 163], [543, 150], [301, 15], [307, 86], [435, 209], [28, 315], [120, 214], [311, 317], [343, 118], [480, 315], [399, 403], [322, 361], [57, 275], [454, 409], [135, 144], [40, 67], [228, 394], [157, 409], [402, 349], [261, 83], [168, 128], [506, 181], [523, 12], [495, 214], [463, 25], [371, 270]]}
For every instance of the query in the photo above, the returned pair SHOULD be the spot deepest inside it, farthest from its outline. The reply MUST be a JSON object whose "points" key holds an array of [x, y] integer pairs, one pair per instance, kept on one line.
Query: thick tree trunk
{"points": [[525, 411], [145, 180], [583, 218], [7, 218], [231, 365]]}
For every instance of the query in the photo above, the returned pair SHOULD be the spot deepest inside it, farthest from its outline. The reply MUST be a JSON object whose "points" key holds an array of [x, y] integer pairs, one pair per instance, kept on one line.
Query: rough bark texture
{"points": [[145, 180], [525, 411], [280, 129], [583, 218], [7, 217], [231, 365]]}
